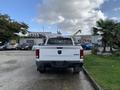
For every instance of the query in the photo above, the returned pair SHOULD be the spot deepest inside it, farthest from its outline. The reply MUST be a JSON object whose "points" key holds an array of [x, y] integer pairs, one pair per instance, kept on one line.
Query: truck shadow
{"points": [[59, 71]]}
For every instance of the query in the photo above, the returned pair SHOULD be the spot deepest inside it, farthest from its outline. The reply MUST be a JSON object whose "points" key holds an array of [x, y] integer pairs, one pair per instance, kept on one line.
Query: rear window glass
{"points": [[59, 41]]}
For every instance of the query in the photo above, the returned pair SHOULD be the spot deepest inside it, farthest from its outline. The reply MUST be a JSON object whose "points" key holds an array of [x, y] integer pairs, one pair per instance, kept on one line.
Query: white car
{"points": [[12, 46], [59, 52]]}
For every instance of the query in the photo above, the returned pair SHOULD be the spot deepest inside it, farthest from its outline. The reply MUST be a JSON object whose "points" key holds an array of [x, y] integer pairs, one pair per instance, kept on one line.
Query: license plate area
{"points": [[59, 64]]}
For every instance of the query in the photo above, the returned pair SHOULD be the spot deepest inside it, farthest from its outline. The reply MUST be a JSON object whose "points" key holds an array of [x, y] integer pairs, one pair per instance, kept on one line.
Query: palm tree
{"points": [[117, 35], [106, 27]]}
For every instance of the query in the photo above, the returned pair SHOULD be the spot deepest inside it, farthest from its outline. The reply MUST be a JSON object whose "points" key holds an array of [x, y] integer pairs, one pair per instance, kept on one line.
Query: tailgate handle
{"points": [[59, 47]]}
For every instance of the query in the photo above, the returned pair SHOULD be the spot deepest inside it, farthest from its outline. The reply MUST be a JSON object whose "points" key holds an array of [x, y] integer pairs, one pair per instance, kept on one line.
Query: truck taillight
{"points": [[81, 54], [37, 52]]}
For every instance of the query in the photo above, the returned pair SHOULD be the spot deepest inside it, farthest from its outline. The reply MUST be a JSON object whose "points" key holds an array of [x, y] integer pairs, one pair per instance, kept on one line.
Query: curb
{"points": [[93, 82]]}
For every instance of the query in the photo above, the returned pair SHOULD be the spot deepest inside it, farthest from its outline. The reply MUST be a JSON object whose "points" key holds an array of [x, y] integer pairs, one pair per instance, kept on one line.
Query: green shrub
{"points": [[117, 53]]}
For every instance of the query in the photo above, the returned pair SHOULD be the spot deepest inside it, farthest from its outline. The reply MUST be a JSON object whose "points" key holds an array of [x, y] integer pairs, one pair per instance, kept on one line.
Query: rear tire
{"points": [[41, 69], [77, 69]]}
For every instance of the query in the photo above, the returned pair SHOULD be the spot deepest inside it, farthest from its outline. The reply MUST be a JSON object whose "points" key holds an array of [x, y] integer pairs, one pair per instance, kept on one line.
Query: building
{"points": [[97, 39], [39, 38], [78, 38], [34, 38]]}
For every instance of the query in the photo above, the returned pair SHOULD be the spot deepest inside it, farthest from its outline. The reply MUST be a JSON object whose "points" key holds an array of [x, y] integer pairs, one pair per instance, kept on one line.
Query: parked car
{"points": [[87, 46], [25, 46], [12, 46], [2, 46]]}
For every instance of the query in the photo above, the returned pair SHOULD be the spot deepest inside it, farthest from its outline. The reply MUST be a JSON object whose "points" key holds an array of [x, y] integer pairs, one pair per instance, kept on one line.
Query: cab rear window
{"points": [[59, 41]]}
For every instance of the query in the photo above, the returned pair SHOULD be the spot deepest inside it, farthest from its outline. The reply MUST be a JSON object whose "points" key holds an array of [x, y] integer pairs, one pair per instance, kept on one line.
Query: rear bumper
{"points": [[59, 64]]}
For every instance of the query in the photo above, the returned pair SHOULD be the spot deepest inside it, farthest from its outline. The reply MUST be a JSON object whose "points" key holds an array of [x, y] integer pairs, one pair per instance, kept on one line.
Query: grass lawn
{"points": [[105, 70]]}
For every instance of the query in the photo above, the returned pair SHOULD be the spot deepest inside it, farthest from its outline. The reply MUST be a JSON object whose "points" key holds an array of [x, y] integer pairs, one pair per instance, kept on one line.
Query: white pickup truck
{"points": [[59, 52]]}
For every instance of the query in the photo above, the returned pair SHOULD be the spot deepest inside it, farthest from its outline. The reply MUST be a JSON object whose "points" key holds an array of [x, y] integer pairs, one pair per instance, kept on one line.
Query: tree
{"points": [[9, 27], [116, 35], [109, 30]]}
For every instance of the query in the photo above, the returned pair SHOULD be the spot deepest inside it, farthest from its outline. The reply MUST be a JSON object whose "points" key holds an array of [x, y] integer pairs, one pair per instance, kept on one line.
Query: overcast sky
{"points": [[65, 15]]}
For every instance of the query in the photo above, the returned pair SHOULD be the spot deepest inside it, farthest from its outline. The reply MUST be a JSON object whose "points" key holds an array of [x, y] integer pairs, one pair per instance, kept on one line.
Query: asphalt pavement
{"points": [[18, 72]]}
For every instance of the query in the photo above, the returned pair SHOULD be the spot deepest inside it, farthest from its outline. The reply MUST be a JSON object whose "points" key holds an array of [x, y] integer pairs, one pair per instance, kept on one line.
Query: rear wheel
{"points": [[77, 69], [41, 69]]}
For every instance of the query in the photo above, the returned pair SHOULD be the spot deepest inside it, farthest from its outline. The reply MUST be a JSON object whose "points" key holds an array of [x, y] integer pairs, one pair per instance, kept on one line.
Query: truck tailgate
{"points": [[60, 53]]}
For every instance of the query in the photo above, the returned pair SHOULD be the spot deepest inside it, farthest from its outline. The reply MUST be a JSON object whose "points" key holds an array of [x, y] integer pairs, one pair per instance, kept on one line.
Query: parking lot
{"points": [[18, 72]]}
